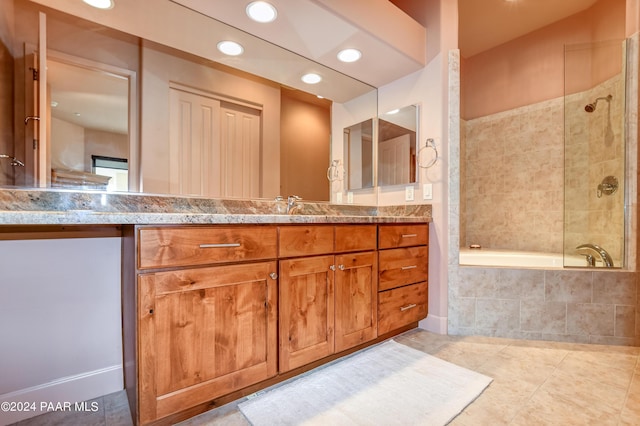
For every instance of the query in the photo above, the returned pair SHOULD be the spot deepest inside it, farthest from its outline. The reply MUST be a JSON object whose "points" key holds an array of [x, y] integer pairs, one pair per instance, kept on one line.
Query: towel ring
{"points": [[429, 144], [335, 172]]}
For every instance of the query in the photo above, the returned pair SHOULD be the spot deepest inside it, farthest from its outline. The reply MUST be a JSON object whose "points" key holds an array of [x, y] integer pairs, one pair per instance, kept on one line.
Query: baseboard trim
{"points": [[66, 390], [434, 324]]}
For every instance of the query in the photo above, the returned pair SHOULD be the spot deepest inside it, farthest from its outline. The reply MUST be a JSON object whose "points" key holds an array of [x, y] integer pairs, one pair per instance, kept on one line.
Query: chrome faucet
{"points": [[589, 250], [294, 204]]}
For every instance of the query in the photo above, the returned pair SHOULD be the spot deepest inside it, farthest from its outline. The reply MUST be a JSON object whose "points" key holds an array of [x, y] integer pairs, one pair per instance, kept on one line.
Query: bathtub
{"points": [[517, 259]]}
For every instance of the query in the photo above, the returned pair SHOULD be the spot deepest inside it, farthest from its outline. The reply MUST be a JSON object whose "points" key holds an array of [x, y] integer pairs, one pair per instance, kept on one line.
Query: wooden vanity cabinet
{"points": [[403, 275], [206, 314], [328, 298], [215, 312]]}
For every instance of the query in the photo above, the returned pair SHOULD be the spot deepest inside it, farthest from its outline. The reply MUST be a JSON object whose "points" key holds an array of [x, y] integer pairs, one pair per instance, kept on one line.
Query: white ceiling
{"points": [[484, 24]]}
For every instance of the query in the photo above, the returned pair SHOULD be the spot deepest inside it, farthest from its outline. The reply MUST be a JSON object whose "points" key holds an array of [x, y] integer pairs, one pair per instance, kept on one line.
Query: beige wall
{"points": [[107, 144], [305, 139], [505, 77]]}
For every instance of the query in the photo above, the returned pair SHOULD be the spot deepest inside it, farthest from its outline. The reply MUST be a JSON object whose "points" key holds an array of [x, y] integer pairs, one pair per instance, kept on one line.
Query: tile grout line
{"points": [[555, 368], [628, 393]]}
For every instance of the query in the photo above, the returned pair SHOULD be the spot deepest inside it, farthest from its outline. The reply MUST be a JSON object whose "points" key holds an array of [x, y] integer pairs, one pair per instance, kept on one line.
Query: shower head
{"points": [[592, 107]]}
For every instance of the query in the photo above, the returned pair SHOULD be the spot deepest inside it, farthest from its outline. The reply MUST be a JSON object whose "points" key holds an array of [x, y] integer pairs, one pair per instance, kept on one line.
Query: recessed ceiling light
{"points": [[54, 104], [349, 55], [320, 96], [230, 48], [311, 78], [100, 4], [261, 11], [393, 111]]}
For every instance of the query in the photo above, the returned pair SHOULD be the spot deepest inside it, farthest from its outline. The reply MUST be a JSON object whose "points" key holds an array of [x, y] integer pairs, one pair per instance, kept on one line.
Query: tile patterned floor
{"points": [[535, 383]]}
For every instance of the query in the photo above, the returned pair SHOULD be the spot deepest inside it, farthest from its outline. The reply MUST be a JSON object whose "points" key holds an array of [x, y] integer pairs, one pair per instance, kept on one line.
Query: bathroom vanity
{"points": [[222, 298]]}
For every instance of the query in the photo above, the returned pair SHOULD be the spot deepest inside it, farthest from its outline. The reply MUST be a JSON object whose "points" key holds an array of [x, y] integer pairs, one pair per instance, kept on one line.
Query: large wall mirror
{"points": [[163, 84]]}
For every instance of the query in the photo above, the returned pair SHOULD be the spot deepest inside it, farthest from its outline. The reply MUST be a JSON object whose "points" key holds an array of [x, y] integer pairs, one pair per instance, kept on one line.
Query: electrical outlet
{"points": [[408, 193], [350, 197], [427, 191], [339, 197]]}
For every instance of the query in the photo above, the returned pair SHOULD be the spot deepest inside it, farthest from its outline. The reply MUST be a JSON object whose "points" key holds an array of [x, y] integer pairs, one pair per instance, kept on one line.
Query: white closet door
{"points": [[194, 145], [395, 161], [241, 145]]}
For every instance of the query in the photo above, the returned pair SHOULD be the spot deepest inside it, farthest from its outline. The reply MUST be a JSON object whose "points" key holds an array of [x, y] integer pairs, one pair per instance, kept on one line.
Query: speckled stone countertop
{"points": [[67, 207]]}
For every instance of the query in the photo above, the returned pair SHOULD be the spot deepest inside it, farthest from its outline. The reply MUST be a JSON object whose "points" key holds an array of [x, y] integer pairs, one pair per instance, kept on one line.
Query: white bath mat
{"points": [[388, 384]]}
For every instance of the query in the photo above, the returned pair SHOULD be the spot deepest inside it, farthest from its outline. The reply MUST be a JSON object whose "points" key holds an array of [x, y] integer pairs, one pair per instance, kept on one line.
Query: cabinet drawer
{"points": [[305, 240], [355, 238], [189, 246], [391, 236], [402, 306], [402, 266]]}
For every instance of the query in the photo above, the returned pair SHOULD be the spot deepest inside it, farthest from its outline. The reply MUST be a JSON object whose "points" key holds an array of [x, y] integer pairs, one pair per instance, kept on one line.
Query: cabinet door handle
{"points": [[341, 267], [220, 245], [407, 307], [404, 268], [273, 276], [332, 267], [409, 235]]}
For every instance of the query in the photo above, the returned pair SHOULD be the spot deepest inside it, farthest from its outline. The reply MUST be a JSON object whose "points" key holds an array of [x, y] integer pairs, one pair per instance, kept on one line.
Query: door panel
{"points": [[194, 145], [204, 333], [241, 145], [306, 310], [356, 299]]}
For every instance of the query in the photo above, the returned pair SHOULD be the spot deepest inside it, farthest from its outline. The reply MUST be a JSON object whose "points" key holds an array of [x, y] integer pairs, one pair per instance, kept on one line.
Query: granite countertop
{"points": [[69, 207]]}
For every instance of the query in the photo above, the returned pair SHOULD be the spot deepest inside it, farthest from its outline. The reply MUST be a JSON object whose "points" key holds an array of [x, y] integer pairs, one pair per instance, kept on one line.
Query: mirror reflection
{"points": [[358, 154], [195, 127], [89, 115], [397, 133]]}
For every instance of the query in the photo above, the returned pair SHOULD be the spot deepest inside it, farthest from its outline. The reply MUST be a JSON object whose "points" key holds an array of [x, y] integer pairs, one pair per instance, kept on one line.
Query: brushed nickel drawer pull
{"points": [[409, 235], [332, 267], [220, 245], [341, 267], [404, 268], [273, 276], [404, 308]]}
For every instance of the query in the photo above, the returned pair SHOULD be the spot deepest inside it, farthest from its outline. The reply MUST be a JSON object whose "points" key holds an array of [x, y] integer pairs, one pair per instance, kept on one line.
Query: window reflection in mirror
{"points": [[358, 147], [397, 133]]}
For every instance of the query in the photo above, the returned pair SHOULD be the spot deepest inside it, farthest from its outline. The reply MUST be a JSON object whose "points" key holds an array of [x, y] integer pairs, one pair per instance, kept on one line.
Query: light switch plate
{"points": [[427, 191], [408, 193], [350, 197], [339, 197]]}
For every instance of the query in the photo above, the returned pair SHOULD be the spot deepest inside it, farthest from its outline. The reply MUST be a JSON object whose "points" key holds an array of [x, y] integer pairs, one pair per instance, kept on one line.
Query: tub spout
{"points": [[591, 250]]}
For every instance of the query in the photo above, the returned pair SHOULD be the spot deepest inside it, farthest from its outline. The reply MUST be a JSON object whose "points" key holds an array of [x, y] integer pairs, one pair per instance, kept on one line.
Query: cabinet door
{"points": [[306, 310], [356, 299], [204, 333]]}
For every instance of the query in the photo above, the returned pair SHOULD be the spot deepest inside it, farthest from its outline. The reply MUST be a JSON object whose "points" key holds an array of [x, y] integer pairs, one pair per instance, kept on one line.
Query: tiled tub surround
{"points": [[563, 305], [559, 305], [517, 164], [33, 206]]}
